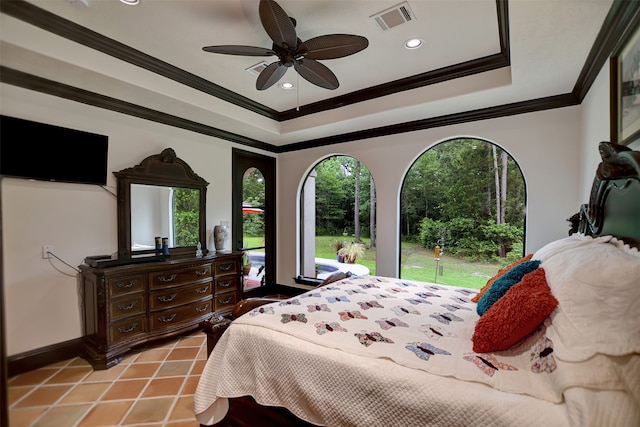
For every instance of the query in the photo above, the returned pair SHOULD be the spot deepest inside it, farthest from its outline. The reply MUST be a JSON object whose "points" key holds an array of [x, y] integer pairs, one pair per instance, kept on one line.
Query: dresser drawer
{"points": [[176, 277], [226, 284], [173, 297], [226, 267], [129, 328], [125, 284], [127, 306], [179, 315], [224, 301]]}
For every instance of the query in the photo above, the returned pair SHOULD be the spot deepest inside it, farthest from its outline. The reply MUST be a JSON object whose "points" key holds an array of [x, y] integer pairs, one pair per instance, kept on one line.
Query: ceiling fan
{"points": [[291, 51]]}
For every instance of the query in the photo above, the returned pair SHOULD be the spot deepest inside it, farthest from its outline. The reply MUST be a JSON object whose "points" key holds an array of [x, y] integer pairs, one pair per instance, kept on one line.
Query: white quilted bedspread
{"points": [[375, 351]]}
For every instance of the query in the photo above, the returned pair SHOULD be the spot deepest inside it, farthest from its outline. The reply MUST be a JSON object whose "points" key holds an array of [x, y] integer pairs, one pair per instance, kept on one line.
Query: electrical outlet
{"points": [[45, 251]]}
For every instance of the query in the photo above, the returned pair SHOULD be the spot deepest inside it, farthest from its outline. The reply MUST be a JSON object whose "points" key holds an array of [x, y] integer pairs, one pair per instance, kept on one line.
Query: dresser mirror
{"points": [[161, 196]]}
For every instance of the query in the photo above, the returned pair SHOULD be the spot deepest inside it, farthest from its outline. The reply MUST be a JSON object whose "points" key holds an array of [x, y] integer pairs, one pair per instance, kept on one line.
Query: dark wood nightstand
{"points": [[214, 328], [216, 325]]}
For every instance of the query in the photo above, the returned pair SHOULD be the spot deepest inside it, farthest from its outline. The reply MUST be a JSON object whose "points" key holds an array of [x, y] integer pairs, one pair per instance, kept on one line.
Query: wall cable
{"points": [[64, 262]]}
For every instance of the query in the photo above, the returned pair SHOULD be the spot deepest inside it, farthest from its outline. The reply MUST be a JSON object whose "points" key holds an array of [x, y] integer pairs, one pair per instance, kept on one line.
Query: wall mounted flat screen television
{"points": [[51, 153]]}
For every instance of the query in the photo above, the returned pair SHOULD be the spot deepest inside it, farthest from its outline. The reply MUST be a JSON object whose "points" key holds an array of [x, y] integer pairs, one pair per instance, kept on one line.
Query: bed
{"points": [[552, 339]]}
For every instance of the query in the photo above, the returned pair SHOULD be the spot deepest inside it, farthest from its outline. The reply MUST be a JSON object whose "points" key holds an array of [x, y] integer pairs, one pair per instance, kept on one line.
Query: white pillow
{"points": [[565, 244], [597, 284]]}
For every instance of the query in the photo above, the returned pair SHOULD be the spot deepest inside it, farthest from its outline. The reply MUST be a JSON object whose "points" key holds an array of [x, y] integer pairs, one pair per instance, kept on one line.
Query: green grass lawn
{"points": [[419, 264]]}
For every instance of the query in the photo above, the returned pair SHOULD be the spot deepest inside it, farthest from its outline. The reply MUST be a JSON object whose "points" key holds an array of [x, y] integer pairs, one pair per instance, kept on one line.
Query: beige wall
{"points": [[557, 151], [595, 128]]}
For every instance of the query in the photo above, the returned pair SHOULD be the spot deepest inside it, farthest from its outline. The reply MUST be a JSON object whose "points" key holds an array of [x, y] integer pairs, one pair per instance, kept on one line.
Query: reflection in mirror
{"points": [[253, 231], [171, 212]]}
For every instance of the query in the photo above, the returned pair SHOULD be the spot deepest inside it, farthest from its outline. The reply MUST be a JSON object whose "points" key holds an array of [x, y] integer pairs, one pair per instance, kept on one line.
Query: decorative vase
{"points": [[219, 234]]}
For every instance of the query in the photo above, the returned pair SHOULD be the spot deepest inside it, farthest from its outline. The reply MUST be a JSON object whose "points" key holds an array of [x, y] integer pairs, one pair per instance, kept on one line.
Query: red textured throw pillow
{"points": [[498, 275], [514, 316]]}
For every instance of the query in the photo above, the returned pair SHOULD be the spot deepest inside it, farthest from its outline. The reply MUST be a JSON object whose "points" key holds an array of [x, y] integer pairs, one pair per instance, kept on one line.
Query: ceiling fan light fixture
{"points": [[287, 86], [130, 2], [413, 43]]}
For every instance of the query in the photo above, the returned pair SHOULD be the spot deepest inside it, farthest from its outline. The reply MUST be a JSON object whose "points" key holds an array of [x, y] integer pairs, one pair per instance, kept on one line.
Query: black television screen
{"points": [[51, 153]]}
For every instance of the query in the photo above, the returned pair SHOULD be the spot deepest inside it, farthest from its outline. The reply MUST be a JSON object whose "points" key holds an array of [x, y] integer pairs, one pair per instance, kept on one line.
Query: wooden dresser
{"points": [[128, 305]]}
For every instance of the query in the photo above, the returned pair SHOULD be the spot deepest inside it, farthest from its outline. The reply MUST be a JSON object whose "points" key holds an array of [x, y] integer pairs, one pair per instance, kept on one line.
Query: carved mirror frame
{"points": [[164, 169]]}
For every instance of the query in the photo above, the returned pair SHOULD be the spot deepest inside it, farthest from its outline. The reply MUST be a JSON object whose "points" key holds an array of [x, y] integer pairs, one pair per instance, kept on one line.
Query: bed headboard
{"points": [[614, 202]]}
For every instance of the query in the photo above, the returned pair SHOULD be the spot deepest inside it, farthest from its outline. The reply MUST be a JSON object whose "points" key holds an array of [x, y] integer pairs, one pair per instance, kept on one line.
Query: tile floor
{"points": [[151, 387]]}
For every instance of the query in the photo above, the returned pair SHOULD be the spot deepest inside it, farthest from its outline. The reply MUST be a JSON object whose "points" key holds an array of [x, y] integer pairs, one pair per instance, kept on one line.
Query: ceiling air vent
{"points": [[394, 16], [257, 68]]}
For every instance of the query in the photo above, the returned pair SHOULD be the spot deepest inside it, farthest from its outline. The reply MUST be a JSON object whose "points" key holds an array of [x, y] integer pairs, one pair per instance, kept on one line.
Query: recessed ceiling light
{"points": [[413, 43], [130, 2], [287, 85]]}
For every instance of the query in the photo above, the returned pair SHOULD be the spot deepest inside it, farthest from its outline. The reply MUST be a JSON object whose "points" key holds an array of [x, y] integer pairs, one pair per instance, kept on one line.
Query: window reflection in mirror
{"points": [[166, 212], [253, 231]]}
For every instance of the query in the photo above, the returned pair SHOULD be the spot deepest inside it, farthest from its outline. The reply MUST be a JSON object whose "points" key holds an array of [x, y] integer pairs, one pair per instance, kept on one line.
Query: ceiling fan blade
{"points": [[270, 75], [239, 50], [316, 73], [332, 46], [277, 24]]}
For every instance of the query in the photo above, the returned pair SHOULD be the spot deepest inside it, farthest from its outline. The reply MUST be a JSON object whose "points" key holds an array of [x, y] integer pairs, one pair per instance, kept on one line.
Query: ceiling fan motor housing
{"points": [[287, 55]]}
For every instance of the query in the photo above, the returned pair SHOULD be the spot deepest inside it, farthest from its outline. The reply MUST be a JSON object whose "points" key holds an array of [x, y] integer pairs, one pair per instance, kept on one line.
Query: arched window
{"points": [[462, 212], [337, 206]]}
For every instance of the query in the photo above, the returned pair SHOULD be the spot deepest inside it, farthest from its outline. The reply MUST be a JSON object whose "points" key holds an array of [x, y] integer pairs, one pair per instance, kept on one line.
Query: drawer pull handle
{"points": [[201, 309], [164, 298], [226, 300], [126, 285], [201, 273], [225, 284], [123, 307], [126, 331], [167, 319], [203, 290], [225, 267], [167, 278]]}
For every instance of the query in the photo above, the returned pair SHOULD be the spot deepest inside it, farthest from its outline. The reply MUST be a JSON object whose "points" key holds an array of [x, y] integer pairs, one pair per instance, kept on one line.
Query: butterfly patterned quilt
{"points": [[411, 333], [427, 327]]}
